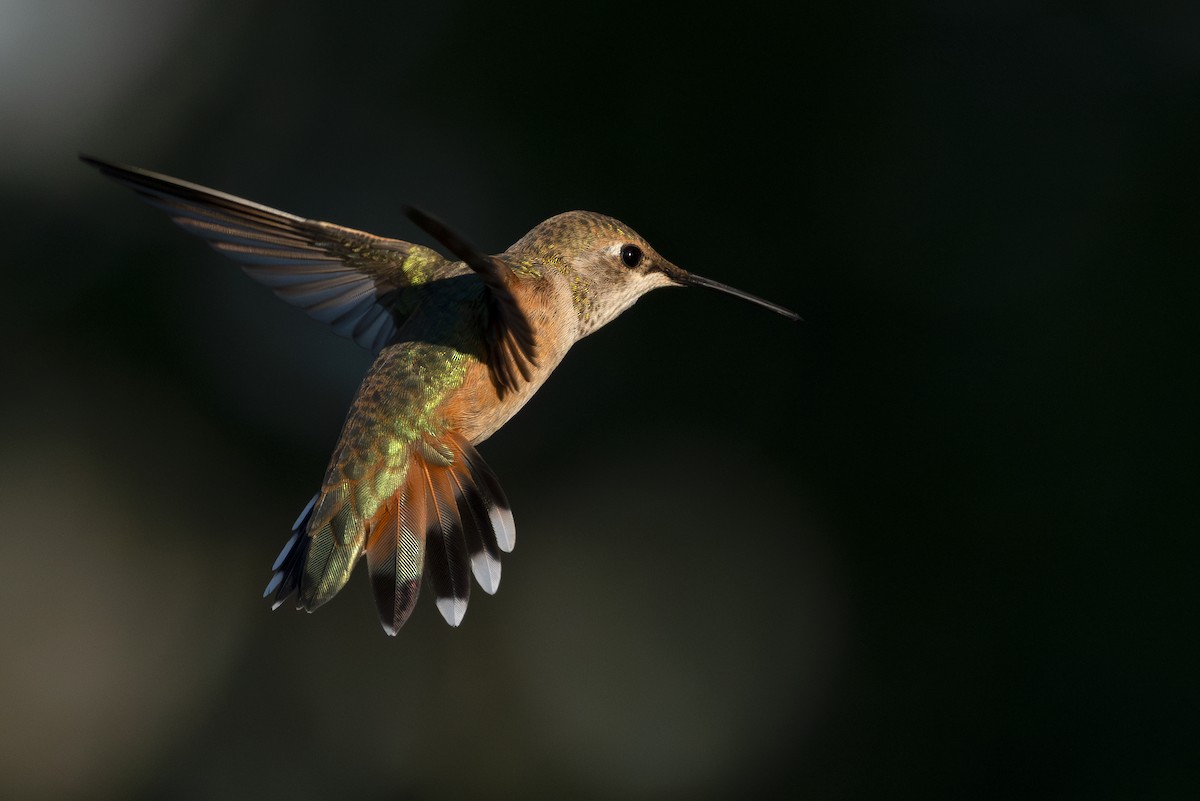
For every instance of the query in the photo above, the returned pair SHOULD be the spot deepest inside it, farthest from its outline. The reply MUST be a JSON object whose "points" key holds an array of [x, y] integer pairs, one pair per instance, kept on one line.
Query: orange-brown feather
{"points": [[395, 552], [446, 565]]}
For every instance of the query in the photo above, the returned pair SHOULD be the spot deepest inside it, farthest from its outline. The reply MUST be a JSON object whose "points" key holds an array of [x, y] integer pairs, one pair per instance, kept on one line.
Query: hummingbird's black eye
{"points": [[631, 255]]}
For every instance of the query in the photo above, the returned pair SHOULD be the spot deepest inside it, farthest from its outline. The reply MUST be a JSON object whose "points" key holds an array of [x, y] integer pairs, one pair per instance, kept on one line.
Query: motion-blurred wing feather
{"points": [[356, 282]]}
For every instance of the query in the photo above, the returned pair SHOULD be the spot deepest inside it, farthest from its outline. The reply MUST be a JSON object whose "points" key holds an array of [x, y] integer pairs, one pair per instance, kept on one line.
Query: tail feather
{"points": [[504, 530], [477, 529], [396, 554], [447, 566]]}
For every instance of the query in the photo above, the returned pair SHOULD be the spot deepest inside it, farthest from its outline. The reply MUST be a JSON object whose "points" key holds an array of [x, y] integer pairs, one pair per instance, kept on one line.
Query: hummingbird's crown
{"points": [[570, 233]]}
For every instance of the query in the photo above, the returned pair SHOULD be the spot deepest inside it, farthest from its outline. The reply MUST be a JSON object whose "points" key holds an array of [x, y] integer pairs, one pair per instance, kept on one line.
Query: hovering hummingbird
{"points": [[460, 346]]}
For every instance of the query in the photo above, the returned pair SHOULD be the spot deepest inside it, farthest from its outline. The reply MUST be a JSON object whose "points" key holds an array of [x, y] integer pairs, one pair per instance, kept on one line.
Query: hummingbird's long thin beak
{"points": [[691, 279]]}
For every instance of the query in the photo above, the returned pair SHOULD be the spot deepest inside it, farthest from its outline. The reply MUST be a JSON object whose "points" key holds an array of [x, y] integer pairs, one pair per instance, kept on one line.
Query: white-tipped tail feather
{"points": [[453, 609], [486, 569]]}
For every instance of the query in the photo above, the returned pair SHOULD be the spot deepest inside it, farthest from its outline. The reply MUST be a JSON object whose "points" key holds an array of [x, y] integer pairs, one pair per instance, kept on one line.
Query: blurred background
{"points": [[938, 541]]}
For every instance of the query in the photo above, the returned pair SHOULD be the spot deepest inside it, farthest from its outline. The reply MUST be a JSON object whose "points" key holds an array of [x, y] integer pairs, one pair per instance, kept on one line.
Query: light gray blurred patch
{"points": [[63, 65]]}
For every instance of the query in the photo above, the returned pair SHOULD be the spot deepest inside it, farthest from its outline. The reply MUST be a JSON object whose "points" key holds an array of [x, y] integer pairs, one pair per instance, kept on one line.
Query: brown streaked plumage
{"points": [[460, 347]]}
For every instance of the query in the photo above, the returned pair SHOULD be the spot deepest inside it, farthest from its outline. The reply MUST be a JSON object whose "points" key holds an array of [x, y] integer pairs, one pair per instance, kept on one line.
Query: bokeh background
{"points": [[938, 541]]}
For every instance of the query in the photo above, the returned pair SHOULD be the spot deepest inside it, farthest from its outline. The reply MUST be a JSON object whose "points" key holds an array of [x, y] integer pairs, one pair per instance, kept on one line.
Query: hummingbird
{"points": [[460, 345]]}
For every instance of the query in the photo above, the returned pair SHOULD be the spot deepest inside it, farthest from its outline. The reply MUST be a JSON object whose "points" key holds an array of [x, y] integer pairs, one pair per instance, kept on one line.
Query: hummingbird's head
{"points": [[609, 266]]}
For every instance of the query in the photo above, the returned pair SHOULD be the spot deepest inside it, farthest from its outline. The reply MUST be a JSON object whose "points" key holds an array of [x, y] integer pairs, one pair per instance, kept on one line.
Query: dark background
{"points": [[938, 541]]}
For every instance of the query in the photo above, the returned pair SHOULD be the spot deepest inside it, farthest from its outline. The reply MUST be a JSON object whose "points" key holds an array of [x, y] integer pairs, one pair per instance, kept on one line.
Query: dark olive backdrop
{"points": [[936, 542]]}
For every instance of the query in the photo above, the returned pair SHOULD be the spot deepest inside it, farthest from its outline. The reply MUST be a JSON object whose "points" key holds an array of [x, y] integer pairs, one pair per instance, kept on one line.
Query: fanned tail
{"points": [[449, 517]]}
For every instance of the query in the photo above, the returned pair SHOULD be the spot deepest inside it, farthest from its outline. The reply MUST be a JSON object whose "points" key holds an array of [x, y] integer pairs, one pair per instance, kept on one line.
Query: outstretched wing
{"points": [[358, 283], [362, 285]]}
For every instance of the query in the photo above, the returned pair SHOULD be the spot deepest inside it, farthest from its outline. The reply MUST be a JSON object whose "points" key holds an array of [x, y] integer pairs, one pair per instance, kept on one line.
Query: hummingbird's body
{"points": [[461, 346]]}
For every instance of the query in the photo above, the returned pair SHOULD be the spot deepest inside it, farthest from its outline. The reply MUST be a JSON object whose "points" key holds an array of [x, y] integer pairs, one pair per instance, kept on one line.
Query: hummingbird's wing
{"points": [[358, 283], [511, 345]]}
